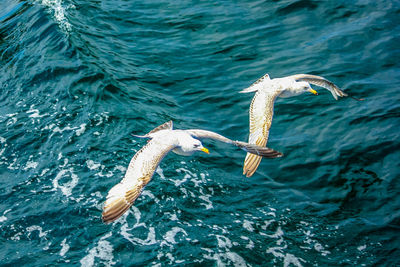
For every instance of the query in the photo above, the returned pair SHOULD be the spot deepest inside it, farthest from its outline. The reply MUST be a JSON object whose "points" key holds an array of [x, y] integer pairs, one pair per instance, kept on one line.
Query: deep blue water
{"points": [[78, 77]]}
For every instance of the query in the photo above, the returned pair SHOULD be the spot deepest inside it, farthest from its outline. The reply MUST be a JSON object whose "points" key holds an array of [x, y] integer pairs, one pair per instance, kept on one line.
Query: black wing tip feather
{"points": [[265, 152], [355, 98], [269, 153]]}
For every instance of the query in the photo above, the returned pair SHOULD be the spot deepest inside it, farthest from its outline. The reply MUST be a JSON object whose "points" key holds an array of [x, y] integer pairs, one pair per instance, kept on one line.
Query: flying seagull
{"points": [[262, 106], [162, 140]]}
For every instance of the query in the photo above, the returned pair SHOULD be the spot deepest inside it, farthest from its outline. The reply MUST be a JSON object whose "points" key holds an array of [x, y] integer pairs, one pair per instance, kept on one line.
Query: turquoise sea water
{"points": [[78, 77]]}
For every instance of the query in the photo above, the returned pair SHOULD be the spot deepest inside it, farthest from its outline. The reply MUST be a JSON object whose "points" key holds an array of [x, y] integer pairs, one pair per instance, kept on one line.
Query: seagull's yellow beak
{"points": [[313, 91], [205, 150]]}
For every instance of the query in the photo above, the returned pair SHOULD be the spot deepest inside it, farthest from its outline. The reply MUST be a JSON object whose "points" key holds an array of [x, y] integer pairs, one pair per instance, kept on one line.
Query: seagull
{"points": [[262, 106], [162, 140]]}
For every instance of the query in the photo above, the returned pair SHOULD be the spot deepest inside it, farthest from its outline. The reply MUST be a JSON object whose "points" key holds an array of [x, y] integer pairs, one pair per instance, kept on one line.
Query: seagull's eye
{"points": [[196, 145]]}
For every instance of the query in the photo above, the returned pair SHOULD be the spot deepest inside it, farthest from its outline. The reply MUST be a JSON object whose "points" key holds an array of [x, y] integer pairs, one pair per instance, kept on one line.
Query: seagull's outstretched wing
{"points": [[261, 113], [320, 81], [140, 170], [250, 148]]}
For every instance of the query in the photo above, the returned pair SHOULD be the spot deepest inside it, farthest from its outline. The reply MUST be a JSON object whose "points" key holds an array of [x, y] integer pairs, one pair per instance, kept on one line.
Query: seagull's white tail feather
{"points": [[249, 89], [256, 85], [164, 126], [167, 125], [140, 136]]}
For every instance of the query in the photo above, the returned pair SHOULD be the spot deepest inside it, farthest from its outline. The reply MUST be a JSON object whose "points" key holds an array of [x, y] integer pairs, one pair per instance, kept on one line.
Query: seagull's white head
{"points": [[187, 145], [297, 88]]}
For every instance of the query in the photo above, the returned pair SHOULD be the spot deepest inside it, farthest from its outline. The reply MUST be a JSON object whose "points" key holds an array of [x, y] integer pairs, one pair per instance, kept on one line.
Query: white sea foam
{"points": [[224, 258], [66, 188], [179, 182], [318, 247], [64, 247], [150, 240], [65, 163], [12, 119], [125, 229], [31, 165], [108, 174], [279, 251], [290, 259], [3, 217], [92, 165], [235, 258], [168, 255], [193, 177], [13, 165], [278, 233], [169, 237], [160, 172], [34, 113], [17, 236], [103, 251], [248, 225], [250, 245], [57, 129], [173, 216], [361, 248], [120, 168], [33, 228], [101, 118], [197, 183], [203, 176], [147, 193], [223, 241], [208, 203], [3, 141], [309, 240], [81, 129], [184, 191], [59, 13], [271, 214], [266, 224]]}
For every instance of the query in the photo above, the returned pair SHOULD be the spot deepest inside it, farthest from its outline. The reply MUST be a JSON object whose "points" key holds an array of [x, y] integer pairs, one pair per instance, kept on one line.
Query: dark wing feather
{"points": [[250, 148]]}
